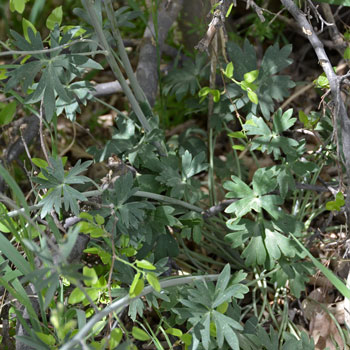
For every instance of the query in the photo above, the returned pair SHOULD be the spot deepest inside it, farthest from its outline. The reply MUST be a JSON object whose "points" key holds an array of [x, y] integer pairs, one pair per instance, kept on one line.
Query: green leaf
{"points": [[144, 264], [3, 74], [276, 244], [273, 141], [225, 327], [229, 70], [137, 286], [253, 97], [264, 181], [205, 331], [175, 332], [115, 337], [91, 275], [99, 219], [237, 188], [237, 135], [26, 25], [76, 296], [255, 252], [17, 5], [191, 167], [54, 18], [222, 308], [337, 203], [59, 182], [140, 334], [7, 113], [47, 339], [153, 281], [237, 291], [251, 76], [223, 279], [229, 10], [322, 82], [197, 234], [204, 91], [184, 81], [40, 163]]}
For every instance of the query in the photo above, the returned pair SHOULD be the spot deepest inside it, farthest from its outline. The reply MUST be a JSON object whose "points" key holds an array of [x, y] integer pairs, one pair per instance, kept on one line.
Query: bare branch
{"points": [[340, 113]]}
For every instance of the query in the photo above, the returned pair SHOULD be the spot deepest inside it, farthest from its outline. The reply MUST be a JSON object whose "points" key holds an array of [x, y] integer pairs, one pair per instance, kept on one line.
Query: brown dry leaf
{"points": [[322, 328]]}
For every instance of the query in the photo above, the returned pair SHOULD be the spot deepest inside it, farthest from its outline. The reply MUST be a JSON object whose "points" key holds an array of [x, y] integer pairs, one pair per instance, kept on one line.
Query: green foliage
{"points": [[7, 112], [58, 182], [186, 80], [270, 85], [272, 141], [200, 308], [337, 203], [55, 88], [151, 210]]}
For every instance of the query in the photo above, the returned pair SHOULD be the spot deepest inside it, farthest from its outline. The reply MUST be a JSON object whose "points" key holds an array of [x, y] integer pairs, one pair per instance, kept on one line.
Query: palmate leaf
{"points": [[125, 17], [265, 239], [270, 86], [183, 81], [264, 181], [255, 252], [52, 66], [202, 310], [272, 141], [122, 191], [225, 329], [295, 271], [191, 167], [59, 182]]}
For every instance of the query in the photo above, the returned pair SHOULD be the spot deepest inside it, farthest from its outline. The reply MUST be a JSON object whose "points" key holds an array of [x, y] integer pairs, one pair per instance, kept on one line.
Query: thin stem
{"points": [[139, 94], [114, 65], [54, 49], [141, 194], [88, 5], [42, 141]]}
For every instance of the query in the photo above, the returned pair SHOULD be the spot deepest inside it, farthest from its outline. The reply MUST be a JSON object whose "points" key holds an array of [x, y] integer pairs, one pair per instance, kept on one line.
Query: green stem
{"points": [[211, 181], [142, 194], [88, 5], [139, 94], [54, 49]]}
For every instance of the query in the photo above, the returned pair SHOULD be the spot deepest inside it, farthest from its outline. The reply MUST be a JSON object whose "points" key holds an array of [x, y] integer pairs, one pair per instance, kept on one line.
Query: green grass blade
{"points": [[337, 283], [13, 255]]}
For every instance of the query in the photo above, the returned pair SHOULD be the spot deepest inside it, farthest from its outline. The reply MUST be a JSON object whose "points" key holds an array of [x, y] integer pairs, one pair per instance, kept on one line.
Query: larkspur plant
{"points": [[145, 217]]}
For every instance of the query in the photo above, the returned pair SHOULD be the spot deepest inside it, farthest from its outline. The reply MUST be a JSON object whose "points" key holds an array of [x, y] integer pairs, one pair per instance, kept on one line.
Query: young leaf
{"points": [[174, 331], [115, 337], [76, 296], [7, 113], [153, 281], [337, 203], [54, 18], [25, 25], [251, 76], [140, 334], [144, 264], [229, 70], [137, 286], [253, 97]]}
